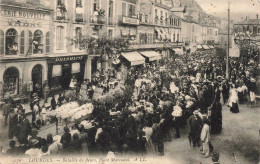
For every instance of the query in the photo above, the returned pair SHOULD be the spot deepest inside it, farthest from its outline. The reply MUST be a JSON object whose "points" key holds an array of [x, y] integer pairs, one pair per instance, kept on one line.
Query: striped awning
{"points": [[151, 55], [134, 58], [199, 47], [178, 51], [206, 47]]}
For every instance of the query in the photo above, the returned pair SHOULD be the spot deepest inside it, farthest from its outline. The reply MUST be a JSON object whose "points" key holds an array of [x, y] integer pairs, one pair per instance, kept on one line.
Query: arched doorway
{"points": [[37, 77], [11, 82]]}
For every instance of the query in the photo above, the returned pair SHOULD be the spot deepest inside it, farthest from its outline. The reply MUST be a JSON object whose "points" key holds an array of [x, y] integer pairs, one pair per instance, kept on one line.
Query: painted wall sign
{"points": [[21, 14], [133, 21], [21, 23], [66, 59]]}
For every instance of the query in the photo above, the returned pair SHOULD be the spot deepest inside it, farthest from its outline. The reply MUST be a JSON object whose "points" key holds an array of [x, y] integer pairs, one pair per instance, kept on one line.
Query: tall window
{"points": [[110, 34], [78, 36], [110, 11], [123, 8], [166, 18], [79, 11], [60, 10], [131, 10], [174, 36], [146, 18], [30, 43], [96, 5], [60, 38], [11, 81], [161, 17], [11, 42], [60, 2], [2, 42], [48, 43], [78, 3], [37, 42], [156, 16], [22, 43], [258, 30]]}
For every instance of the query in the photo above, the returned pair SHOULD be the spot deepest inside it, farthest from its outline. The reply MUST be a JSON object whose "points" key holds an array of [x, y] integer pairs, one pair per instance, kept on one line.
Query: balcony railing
{"points": [[79, 18], [156, 20], [61, 12], [160, 44], [97, 19]]}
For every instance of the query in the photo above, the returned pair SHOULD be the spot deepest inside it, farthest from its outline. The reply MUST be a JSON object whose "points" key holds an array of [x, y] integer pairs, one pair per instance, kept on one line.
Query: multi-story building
{"points": [[159, 29], [25, 31], [34, 45], [249, 29], [250, 26]]}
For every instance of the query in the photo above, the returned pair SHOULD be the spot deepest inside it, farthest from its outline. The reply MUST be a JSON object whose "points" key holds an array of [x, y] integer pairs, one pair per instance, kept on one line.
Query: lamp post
{"points": [[227, 62]]}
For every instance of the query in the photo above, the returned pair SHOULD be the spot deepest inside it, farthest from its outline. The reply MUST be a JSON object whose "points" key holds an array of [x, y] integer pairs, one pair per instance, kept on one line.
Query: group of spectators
{"points": [[184, 91]]}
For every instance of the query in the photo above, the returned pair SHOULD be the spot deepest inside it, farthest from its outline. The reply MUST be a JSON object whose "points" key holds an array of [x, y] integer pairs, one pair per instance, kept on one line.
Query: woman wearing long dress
{"points": [[149, 146], [216, 118], [83, 92], [233, 100], [252, 89], [222, 102]]}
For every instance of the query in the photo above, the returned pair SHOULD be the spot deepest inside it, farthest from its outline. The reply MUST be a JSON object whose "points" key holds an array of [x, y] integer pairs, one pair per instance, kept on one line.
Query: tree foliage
{"points": [[100, 45]]}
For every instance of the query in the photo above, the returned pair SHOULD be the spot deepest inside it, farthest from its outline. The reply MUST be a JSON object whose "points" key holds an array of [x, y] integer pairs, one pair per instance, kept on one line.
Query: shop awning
{"points": [[199, 47], [212, 47], [134, 58], [178, 51], [205, 47], [152, 55]]}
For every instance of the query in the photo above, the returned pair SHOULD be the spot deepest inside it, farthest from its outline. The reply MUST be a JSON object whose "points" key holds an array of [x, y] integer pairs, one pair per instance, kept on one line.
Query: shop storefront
{"points": [[62, 69]]}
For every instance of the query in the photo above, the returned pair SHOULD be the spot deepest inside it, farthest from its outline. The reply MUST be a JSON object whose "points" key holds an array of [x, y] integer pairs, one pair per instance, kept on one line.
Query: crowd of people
{"points": [[181, 92]]}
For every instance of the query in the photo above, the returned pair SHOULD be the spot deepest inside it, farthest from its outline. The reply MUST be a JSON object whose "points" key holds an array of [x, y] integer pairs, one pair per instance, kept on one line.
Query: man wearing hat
{"points": [[195, 125]]}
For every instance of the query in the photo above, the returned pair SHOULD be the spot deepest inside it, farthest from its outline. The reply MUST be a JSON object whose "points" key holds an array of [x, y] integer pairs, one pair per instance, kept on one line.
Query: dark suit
{"points": [[13, 125], [195, 126], [6, 111], [25, 130], [12, 151]]}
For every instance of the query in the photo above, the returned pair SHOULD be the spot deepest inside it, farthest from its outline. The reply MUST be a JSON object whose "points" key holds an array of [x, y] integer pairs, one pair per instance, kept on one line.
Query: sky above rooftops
{"points": [[239, 8]]}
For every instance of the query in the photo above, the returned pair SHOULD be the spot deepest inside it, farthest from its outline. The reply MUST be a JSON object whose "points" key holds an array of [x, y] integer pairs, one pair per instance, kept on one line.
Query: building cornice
{"points": [[28, 8]]}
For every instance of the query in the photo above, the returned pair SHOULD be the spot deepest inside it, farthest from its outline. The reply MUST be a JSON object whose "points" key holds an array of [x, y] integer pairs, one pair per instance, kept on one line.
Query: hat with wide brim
{"points": [[196, 112]]}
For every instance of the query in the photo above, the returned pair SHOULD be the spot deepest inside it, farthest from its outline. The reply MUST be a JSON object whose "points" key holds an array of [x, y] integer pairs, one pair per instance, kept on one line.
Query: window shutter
{"points": [[124, 9], [133, 10], [22, 43], [47, 50], [30, 42], [2, 42]]}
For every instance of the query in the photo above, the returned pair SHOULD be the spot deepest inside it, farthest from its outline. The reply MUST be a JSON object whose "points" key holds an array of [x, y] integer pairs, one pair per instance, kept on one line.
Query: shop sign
{"points": [[66, 59], [21, 14], [22, 23], [133, 21]]}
